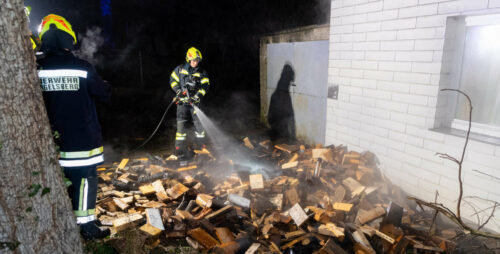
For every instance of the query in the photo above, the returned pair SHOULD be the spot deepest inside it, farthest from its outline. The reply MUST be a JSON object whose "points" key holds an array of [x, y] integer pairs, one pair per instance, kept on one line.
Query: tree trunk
{"points": [[35, 211]]}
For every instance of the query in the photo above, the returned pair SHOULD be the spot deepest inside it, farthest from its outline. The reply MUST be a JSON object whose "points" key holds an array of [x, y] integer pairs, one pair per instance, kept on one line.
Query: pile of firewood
{"points": [[308, 199]]}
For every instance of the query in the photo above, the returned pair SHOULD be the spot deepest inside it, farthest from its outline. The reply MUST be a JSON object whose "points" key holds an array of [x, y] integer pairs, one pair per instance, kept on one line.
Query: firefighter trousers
{"points": [[82, 191], [186, 112]]}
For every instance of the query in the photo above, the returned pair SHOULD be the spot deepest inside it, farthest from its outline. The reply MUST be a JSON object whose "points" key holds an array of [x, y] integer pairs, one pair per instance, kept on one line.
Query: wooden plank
{"points": [[123, 163], [253, 248], [287, 148], [160, 191], [219, 212], [294, 234], [177, 190], [342, 206], [203, 237], [298, 215], [256, 182], [187, 168], [153, 217], [365, 217]]}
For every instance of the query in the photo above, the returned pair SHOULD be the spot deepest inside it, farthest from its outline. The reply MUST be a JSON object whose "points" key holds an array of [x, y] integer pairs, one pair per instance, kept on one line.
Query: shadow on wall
{"points": [[281, 117]]}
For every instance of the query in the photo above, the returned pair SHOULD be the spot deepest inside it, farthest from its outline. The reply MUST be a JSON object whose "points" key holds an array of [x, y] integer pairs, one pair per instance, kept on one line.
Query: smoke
{"points": [[322, 11], [90, 43]]}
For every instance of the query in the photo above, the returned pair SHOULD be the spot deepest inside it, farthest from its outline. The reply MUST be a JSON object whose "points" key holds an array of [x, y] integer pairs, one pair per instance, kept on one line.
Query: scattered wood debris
{"points": [[309, 199]]}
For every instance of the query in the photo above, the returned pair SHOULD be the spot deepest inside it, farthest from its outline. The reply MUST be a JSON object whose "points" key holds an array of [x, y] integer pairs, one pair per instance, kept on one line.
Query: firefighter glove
{"points": [[195, 100]]}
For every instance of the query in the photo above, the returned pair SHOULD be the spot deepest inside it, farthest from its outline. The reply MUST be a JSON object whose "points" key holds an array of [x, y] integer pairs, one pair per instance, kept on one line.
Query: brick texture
{"points": [[386, 56]]}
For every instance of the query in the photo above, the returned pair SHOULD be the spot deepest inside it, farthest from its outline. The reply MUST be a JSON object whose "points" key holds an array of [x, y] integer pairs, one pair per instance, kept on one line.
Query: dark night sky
{"points": [[227, 33]]}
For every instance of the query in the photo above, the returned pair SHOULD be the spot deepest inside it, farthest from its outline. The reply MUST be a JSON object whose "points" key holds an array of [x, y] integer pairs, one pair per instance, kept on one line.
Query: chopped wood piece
{"points": [[177, 190], [385, 237], [277, 201], [364, 217], [204, 200], [331, 230], [253, 248], [256, 182], [125, 222], [184, 214], [124, 178], [219, 212], [187, 168], [292, 164], [153, 204], [294, 234], [339, 194], [294, 158], [224, 234], [153, 217], [105, 177], [122, 205], [122, 164], [266, 144], [342, 206], [292, 196], [287, 148], [147, 189], [295, 241], [160, 191], [203, 237], [202, 151], [364, 244], [298, 215], [149, 229], [355, 187], [248, 143]]}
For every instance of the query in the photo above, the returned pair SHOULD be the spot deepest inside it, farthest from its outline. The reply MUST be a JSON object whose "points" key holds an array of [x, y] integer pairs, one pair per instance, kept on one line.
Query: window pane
{"points": [[481, 75]]}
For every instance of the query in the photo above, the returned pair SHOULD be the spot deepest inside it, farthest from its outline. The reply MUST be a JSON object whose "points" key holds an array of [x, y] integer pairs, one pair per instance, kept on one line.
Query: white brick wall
{"points": [[386, 55]]}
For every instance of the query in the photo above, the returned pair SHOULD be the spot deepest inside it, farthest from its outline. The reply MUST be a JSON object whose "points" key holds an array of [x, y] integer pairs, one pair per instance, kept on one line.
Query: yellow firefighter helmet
{"points": [[192, 54], [60, 22]]}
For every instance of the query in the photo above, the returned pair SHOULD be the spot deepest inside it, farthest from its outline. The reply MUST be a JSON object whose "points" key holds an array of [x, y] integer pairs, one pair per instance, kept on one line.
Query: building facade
{"points": [[389, 60]]}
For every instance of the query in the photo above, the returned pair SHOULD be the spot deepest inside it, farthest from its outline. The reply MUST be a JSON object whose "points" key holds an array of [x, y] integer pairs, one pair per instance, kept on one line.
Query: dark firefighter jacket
{"points": [[69, 87], [184, 75]]}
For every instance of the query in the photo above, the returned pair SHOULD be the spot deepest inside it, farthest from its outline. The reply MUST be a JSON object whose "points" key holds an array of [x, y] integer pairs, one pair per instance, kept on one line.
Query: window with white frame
{"points": [[477, 73]]}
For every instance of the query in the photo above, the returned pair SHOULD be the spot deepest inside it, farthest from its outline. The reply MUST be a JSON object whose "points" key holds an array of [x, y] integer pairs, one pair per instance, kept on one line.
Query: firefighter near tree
{"points": [[70, 86], [190, 84]]}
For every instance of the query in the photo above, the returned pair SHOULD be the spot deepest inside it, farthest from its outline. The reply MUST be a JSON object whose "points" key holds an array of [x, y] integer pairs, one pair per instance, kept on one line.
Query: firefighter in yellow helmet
{"points": [[70, 87], [190, 83]]}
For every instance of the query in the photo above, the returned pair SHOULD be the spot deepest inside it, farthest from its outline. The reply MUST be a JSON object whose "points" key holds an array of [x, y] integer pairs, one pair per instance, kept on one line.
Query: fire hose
{"points": [[159, 124]]}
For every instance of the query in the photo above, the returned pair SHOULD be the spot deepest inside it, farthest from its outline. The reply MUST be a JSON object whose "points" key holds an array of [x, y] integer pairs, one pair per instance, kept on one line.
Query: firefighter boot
{"points": [[90, 231]]}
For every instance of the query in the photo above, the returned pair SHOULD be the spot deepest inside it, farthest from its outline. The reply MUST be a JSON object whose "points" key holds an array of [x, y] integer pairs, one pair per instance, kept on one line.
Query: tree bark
{"points": [[35, 211]]}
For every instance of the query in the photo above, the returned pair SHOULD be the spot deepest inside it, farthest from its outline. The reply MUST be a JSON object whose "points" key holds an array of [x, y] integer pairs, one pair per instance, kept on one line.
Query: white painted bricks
{"points": [[386, 55]]}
